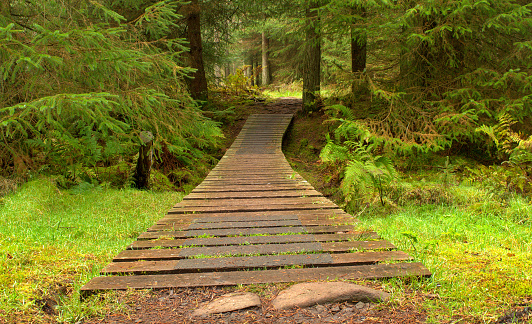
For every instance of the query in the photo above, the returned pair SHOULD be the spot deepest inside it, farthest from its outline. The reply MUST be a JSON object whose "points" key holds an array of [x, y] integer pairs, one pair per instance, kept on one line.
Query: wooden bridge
{"points": [[253, 220]]}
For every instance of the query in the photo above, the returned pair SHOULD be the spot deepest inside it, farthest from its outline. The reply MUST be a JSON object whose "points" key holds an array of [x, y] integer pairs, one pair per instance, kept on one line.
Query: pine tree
{"points": [[312, 63], [81, 80]]}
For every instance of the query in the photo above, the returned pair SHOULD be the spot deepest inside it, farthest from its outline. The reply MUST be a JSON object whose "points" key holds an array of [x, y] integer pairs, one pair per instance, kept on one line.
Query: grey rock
{"points": [[312, 293], [360, 305], [228, 303]]}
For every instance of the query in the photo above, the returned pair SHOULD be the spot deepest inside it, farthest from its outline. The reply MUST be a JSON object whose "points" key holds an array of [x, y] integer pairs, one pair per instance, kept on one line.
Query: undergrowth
{"points": [[469, 224]]}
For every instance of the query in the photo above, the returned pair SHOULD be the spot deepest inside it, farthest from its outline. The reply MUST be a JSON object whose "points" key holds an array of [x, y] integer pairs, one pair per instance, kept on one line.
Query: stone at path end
{"points": [[312, 293], [228, 303]]}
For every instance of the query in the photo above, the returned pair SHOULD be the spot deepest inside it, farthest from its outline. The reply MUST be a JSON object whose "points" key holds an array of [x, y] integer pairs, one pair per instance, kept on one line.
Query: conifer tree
{"points": [[198, 81], [81, 81], [312, 63]]}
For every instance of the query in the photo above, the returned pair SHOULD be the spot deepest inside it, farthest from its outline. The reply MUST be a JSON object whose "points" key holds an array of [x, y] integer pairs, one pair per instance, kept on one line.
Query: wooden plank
{"points": [[247, 208], [233, 202], [333, 214], [226, 225], [252, 224], [241, 240], [251, 262], [172, 226], [250, 181], [253, 194], [247, 218], [250, 187], [265, 168], [235, 278], [246, 231], [262, 249], [182, 253]]}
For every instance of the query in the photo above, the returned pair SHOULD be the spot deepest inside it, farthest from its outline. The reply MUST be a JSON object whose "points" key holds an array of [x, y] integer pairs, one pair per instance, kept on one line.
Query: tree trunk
{"points": [[256, 73], [312, 62], [144, 162], [249, 69], [227, 69], [265, 60], [198, 83], [358, 56]]}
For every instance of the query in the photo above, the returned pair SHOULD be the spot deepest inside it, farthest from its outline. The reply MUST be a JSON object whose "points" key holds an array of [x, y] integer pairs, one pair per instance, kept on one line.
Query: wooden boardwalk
{"points": [[253, 220]]}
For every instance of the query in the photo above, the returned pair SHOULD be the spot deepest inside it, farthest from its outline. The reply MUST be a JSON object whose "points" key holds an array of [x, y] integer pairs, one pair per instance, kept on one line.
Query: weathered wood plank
{"points": [[224, 225], [234, 278], [246, 231], [246, 208], [220, 187], [170, 226], [182, 253], [241, 240], [204, 203], [333, 214], [253, 194], [260, 249], [252, 224], [251, 262]]}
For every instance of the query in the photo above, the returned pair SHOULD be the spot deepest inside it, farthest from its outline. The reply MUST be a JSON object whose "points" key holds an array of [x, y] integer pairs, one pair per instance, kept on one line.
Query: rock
{"points": [[347, 310], [228, 303], [321, 309], [312, 293], [360, 305]]}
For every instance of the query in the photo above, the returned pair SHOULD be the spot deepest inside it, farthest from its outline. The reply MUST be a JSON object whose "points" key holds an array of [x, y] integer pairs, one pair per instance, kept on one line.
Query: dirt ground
{"points": [[176, 306]]}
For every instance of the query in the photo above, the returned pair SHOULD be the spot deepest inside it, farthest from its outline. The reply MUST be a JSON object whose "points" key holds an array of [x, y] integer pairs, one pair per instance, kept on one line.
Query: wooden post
{"points": [[144, 162]]}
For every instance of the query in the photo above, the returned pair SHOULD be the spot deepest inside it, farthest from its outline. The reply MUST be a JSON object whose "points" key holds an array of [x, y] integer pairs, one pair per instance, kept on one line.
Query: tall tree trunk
{"points": [[359, 39], [144, 162], [312, 62], [198, 84], [265, 60], [249, 69], [256, 71]]}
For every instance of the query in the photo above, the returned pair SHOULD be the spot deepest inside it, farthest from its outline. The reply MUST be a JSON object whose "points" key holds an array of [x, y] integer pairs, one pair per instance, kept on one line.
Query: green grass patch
{"points": [[480, 256], [53, 241], [285, 90]]}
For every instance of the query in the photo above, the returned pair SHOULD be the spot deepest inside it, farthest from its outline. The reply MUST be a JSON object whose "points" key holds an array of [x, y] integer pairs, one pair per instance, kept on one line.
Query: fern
{"points": [[364, 174]]}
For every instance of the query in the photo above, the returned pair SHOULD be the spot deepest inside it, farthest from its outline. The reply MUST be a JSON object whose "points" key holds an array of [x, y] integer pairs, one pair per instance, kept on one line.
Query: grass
{"points": [[481, 262], [52, 242], [291, 90]]}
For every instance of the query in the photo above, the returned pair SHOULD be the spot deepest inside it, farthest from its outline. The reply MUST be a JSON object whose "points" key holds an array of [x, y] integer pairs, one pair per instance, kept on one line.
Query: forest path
{"points": [[253, 213]]}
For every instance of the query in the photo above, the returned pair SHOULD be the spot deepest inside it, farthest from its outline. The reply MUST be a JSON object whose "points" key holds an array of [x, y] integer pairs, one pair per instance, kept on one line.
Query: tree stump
{"points": [[144, 162]]}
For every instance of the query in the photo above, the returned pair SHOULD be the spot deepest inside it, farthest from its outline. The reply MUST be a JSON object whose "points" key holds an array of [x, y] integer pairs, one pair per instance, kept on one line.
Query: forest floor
{"points": [[177, 305], [475, 239]]}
